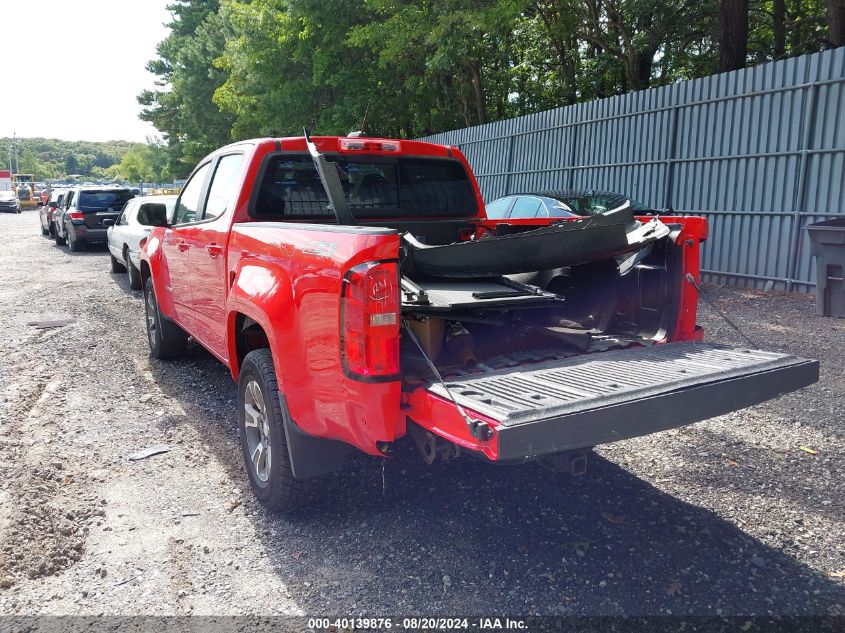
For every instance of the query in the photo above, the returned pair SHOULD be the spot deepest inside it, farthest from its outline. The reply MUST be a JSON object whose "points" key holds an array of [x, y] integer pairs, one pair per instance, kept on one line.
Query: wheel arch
{"points": [[258, 291]]}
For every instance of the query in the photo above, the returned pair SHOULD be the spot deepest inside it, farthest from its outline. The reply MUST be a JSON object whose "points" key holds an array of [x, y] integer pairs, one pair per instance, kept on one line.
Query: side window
{"points": [[189, 201], [224, 186], [69, 201], [121, 219], [544, 209], [525, 207], [499, 208]]}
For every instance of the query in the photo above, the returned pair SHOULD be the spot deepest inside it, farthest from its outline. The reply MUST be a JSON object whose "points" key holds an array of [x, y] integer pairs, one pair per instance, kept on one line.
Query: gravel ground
{"points": [[729, 516]]}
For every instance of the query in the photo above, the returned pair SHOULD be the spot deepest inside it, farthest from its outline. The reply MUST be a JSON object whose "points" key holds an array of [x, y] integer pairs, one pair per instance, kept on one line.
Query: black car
{"points": [[559, 204], [9, 202], [82, 218]]}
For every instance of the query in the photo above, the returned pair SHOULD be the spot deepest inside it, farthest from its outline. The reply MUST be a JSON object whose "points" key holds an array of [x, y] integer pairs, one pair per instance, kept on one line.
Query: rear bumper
{"points": [[647, 415], [90, 235]]}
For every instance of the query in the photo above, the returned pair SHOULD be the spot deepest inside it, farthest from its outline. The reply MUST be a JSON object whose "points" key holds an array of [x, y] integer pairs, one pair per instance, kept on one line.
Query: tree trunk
{"points": [[836, 22], [779, 28], [464, 105], [480, 104], [733, 42]]}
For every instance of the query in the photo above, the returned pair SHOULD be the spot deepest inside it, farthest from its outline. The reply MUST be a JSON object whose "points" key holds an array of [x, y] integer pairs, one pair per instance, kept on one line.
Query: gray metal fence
{"points": [[760, 152]]}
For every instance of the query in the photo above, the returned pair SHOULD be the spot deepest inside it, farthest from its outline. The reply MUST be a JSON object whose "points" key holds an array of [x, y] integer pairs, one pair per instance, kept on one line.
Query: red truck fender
{"points": [[258, 290], [154, 264]]}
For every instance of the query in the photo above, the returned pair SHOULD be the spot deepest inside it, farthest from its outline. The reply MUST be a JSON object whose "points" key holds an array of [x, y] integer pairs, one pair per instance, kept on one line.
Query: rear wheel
{"points": [[59, 239], [166, 339], [134, 273], [74, 244], [261, 425], [44, 231], [116, 266]]}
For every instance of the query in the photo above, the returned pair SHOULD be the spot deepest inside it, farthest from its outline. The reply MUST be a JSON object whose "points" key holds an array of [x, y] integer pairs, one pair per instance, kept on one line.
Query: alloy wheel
{"points": [[257, 429], [151, 317]]}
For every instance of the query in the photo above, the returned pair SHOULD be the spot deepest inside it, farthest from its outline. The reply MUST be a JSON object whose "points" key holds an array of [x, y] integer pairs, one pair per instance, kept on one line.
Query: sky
{"points": [[82, 64]]}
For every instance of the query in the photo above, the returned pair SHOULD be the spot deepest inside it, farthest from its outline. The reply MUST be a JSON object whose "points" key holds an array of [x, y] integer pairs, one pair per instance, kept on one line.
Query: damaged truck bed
{"points": [[547, 341]]}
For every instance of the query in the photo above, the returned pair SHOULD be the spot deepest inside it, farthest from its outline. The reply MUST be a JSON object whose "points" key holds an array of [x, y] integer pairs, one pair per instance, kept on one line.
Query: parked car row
{"points": [[81, 215]]}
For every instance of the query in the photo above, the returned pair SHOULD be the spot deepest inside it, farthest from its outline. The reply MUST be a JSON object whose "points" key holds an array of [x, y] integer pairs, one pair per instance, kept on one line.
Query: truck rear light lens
{"points": [[370, 322], [76, 216], [361, 145]]}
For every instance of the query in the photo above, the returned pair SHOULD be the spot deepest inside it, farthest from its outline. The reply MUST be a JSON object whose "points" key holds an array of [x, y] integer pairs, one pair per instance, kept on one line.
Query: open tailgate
{"points": [[593, 399]]}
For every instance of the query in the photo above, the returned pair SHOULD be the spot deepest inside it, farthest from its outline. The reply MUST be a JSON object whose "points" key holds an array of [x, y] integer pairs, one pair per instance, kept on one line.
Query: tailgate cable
{"points": [[477, 428], [748, 339]]}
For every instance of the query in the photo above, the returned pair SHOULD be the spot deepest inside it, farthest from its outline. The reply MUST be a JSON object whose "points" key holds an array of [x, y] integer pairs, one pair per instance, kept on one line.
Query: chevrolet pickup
{"points": [[358, 294]]}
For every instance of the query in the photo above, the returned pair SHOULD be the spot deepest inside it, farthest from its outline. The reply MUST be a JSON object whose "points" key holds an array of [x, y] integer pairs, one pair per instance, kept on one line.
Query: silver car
{"points": [[135, 222]]}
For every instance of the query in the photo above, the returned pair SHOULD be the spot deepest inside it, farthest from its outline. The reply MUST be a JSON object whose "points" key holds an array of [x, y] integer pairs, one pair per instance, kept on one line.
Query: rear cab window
{"points": [[374, 186]]}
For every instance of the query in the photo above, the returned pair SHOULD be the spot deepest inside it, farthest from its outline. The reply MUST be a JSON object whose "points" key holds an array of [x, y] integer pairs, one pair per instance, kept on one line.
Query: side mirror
{"points": [[108, 222], [153, 214]]}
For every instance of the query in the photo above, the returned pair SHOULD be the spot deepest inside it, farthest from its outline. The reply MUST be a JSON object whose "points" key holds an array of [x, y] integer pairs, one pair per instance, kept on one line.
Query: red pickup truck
{"points": [[358, 294]]}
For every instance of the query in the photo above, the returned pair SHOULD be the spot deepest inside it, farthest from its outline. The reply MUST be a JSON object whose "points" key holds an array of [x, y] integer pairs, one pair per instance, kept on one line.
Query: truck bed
{"points": [[592, 399]]}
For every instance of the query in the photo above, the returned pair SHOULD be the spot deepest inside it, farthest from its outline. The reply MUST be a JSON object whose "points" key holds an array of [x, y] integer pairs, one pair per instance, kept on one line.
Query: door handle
{"points": [[182, 245], [214, 250]]}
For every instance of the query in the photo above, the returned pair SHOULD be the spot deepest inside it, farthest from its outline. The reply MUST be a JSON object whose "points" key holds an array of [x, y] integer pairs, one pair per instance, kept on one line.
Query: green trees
{"points": [[182, 108], [234, 69], [49, 158], [144, 163]]}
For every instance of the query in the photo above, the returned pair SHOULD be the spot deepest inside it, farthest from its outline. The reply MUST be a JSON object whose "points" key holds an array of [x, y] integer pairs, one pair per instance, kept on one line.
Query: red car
{"points": [[358, 293]]}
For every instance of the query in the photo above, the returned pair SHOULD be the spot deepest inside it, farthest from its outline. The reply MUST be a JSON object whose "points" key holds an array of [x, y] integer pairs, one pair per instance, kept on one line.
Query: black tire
{"points": [[116, 266], [44, 231], [60, 241], [74, 245], [134, 275], [279, 491], [167, 340]]}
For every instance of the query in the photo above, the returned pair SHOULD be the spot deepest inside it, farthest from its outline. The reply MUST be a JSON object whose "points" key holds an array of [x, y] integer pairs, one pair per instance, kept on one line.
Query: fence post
{"points": [[509, 167], [670, 161], [572, 146], [801, 186]]}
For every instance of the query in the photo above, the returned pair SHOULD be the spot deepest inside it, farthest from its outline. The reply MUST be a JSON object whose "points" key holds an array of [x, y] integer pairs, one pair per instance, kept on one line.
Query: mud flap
{"points": [[310, 456]]}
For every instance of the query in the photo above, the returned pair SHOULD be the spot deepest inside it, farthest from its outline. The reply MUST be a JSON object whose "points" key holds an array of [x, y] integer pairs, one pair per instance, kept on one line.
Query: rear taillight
{"points": [[75, 215], [370, 322]]}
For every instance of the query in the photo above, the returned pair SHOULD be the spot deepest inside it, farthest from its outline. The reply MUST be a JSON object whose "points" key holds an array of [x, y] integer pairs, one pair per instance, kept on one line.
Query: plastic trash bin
{"points": [[827, 243]]}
